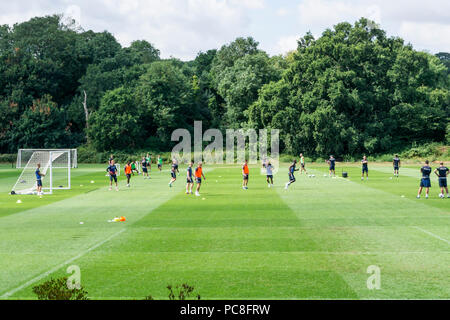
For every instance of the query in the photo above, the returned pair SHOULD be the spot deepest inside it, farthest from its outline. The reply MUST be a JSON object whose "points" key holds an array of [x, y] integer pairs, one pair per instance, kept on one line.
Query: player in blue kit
{"points": [[189, 178], [332, 163], [173, 173], [396, 165], [365, 168], [442, 173], [39, 176], [144, 165], [112, 171], [425, 182], [292, 169]]}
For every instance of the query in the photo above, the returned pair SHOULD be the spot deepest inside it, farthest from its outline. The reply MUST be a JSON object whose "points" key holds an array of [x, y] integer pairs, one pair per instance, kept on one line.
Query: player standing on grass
{"points": [[128, 172], [198, 178], [332, 163], [149, 161], [173, 173], [160, 163], [189, 178], [245, 173], [112, 170], [292, 170], [365, 168], [133, 168], [442, 173], [175, 163], [269, 174], [39, 176], [302, 164], [396, 164], [425, 181], [144, 168]]}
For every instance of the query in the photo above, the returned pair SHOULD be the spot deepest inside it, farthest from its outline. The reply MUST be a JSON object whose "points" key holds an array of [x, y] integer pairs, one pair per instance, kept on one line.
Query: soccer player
{"points": [[149, 161], [365, 168], [133, 168], [39, 176], [189, 178], [175, 163], [173, 173], [332, 163], [128, 170], [302, 164], [425, 181], [160, 163], [396, 164], [144, 168], [198, 178], [269, 174], [442, 173], [112, 170], [292, 169], [245, 173]]}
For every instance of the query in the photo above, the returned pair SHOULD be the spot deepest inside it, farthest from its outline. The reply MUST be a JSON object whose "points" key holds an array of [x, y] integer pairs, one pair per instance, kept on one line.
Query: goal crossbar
{"points": [[23, 155]]}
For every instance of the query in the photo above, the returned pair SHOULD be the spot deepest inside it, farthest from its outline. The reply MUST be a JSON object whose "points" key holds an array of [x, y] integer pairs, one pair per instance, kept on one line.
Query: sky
{"points": [[182, 28]]}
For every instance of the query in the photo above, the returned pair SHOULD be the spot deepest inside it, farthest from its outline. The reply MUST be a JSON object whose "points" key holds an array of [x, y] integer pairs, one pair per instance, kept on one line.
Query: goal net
{"points": [[55, 165], [24, 155]]}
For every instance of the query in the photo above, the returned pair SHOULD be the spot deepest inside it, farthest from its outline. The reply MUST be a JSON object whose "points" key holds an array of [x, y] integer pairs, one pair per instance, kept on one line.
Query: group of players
{"points": [[196, 175]]}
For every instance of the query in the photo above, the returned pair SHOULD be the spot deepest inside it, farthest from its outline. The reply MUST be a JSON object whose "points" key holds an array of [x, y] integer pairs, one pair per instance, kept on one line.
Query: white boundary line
{"points": [[432, 234], [56, 268]]}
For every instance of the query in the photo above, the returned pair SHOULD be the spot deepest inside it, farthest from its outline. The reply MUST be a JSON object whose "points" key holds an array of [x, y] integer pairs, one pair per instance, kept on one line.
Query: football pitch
{"points": [[313, 241]]}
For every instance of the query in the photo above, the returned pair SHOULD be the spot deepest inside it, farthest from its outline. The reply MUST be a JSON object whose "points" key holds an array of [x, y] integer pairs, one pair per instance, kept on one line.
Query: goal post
{"points": [[24, 155], [55, 166]]}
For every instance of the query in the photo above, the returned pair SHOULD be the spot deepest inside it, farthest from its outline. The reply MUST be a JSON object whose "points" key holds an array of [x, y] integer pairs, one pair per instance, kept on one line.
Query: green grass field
{"points": [[313, 241]]}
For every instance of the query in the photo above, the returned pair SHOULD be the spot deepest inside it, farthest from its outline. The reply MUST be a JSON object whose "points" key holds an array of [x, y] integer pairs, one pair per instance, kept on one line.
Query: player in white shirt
{"points": [[269, 174]]}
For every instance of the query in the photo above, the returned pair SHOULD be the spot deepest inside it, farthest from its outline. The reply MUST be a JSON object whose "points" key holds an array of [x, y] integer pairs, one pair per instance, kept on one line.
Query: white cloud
{"points": [[425, 24], [282, 12], [251, 4], [321, 14], [426, 35], [286, 44], [181, 28]]}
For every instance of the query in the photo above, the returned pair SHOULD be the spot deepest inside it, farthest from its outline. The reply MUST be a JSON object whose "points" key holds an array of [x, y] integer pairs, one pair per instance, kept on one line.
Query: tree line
{"points": [[353, 90]]}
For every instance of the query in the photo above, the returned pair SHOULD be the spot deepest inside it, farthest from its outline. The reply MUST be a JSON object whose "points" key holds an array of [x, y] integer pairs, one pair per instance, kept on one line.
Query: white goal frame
{"points": [[48, 167], [23, 155]]}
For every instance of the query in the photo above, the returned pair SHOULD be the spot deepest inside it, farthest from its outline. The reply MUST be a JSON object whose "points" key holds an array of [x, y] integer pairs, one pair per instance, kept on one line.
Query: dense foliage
{"points": [[353, 90]]}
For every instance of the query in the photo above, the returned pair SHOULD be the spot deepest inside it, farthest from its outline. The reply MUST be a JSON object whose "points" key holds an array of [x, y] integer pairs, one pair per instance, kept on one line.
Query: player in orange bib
{"points": [[245, 173], [198, 178], [128, 171]]}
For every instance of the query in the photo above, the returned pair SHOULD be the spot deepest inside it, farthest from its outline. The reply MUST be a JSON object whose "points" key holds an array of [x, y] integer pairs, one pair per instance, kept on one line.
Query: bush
{"points": [[8, 158], [182, 292], [179, 292], [349, 158], [433, 152], [57, 289]]}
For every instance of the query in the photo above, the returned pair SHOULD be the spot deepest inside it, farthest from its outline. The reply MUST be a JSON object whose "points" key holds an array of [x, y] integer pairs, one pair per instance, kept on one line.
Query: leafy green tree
{"points": [[355, 91], [114, 126], [240, 84], [43, 125], [166, 100], [444, 57]]}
